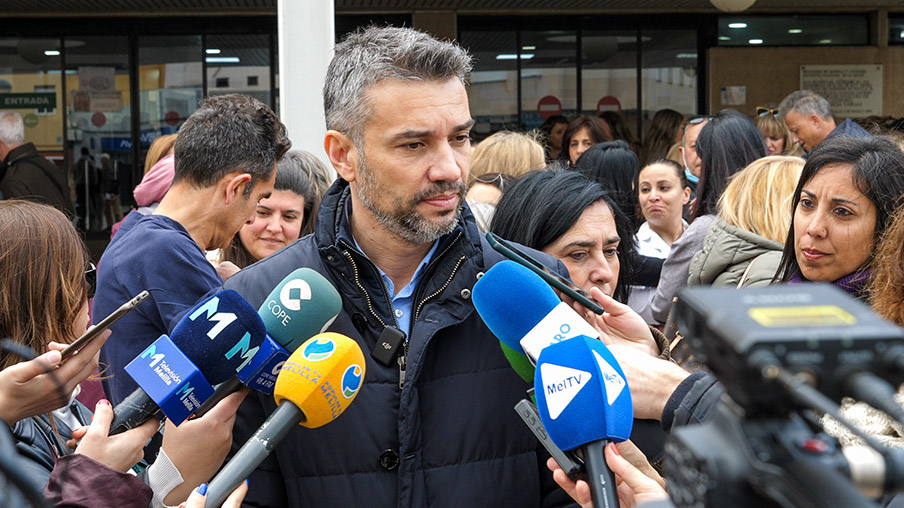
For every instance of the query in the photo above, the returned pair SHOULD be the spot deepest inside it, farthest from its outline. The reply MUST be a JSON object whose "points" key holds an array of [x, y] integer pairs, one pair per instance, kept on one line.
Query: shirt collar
{"points": [[407, 291]]}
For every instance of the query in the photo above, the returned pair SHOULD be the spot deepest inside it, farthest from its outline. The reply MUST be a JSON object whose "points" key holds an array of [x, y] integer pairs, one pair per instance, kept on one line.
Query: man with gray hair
{"points": [[433, 423], [810, 120], [24, 174]]}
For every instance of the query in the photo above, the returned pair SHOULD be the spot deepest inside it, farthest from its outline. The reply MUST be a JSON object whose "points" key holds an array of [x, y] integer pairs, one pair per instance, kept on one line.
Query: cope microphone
{"points": [[302, 305], [584, 401], [315, 385], [212, 342]]}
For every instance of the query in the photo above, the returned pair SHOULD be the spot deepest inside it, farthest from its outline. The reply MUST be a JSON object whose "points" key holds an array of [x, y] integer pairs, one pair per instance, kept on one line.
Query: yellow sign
{"points": [[810, 316]]}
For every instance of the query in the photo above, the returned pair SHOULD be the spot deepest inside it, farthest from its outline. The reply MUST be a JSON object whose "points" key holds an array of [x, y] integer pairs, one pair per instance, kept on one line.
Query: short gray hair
{"points": [[370, 55], [12, 129], [806, 102]]}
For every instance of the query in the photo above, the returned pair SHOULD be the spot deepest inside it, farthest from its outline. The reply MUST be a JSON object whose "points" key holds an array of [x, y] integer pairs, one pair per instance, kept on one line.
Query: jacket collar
{"points": [[20, 152]]}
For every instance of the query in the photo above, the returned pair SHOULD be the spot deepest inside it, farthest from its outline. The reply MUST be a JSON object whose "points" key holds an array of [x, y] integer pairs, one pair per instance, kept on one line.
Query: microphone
{"points": [[314, 386], [532, 319], [302, 305], [216, 339], [584, 401]]}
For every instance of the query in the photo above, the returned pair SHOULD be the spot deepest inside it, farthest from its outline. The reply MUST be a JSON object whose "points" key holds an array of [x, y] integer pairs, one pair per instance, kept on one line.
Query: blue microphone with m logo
{"points": [[215, 340]]}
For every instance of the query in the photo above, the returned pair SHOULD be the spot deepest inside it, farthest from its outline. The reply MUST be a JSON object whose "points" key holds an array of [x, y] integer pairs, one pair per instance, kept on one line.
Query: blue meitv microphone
{"points": [[584, 401]]}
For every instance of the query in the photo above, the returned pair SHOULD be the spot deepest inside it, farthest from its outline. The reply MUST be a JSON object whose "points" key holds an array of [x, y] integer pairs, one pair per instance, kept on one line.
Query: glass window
{"points": [[669, 74], [238, 64], [493, 93], [609, 74], [29, 76], [794, 30], [895, 29], [100, 114], [170, 84], [548, 75]]}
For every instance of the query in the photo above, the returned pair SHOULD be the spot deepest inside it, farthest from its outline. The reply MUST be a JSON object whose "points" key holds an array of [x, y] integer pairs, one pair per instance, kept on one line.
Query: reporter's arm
{"points": [[198, 447], [119, 452], [198, 497], [652, 380], [78, 481], [41, 385]]}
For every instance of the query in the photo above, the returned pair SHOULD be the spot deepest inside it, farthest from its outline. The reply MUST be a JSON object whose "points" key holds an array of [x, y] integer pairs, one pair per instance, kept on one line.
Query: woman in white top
{"points": [[662, 192]]}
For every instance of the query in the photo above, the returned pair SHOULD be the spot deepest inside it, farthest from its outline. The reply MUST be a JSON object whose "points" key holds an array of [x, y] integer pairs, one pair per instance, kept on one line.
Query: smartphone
{"points": [[546, 273], [94, 332]]}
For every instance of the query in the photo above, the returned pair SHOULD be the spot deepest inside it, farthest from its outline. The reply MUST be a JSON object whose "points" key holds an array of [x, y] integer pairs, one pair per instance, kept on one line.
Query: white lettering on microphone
{"points": [[561, 385], [561, 323], [280, 314]]}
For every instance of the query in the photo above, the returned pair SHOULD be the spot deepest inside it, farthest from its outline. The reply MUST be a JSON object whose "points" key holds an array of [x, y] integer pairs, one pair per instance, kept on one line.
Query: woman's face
{"points": [[661, 196], [277, 223], [579, 144], [483, 193], [834, 225], [774, 145], [590, 249], [555, 135]]}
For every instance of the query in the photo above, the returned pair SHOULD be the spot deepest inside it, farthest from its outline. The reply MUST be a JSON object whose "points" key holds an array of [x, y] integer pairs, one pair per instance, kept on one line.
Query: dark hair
{"points": [[229, 133], [727, 144], [597, 128], [543, 205], [619, 127], [292, 174], [614, 166], [679, 172], [661, 135], [878, 166], [549, 123]]}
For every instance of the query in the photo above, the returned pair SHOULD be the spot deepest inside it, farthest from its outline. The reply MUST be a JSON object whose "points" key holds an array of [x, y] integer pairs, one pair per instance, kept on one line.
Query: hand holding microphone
{"points": [[315, 385], [634, 486], [210, 344], [198, 447], [584, 402]]}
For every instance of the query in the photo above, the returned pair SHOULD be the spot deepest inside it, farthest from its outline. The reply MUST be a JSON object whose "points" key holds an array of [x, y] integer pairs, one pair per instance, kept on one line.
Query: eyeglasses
{"points": [[91, 279], [697, 120], [763, 111], [497, 180]]}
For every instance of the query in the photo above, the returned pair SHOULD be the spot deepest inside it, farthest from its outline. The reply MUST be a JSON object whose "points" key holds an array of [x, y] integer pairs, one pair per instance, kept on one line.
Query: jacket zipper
{"points": [[402, 359]]}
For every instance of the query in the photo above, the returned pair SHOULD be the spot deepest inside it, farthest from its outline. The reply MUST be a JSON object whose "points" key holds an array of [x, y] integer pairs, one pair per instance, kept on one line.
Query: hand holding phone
{"points": [[96, 330]]}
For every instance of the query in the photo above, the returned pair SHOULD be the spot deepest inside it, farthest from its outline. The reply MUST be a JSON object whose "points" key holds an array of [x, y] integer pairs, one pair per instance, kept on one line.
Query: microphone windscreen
{"points": [[301, 306], [322, 377], [582, 393], [519, 361], [512, 300], [220, 335]]}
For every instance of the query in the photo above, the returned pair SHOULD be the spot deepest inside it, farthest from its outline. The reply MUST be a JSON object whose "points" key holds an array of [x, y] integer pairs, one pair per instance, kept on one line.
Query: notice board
{"points": [[852, 90]]}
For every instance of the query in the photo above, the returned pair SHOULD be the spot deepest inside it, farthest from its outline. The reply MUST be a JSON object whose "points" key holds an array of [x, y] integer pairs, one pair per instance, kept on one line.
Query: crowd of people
{"points": [[788, 196]]}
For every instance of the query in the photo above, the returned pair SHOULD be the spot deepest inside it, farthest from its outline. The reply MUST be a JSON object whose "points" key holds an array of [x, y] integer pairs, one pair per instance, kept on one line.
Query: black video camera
{"points": [[774, 349]]}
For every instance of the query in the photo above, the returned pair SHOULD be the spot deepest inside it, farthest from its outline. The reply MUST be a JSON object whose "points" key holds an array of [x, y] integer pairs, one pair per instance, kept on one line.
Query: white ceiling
{"points": [[57, 8]]}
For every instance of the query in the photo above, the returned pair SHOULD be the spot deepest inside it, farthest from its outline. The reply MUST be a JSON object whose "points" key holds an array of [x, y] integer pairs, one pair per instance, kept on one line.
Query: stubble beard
{"points": [[401, 216]]}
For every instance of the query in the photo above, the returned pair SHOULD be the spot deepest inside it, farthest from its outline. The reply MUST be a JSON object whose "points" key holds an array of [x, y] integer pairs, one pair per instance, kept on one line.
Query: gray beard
{"points": [[404, 219]]}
